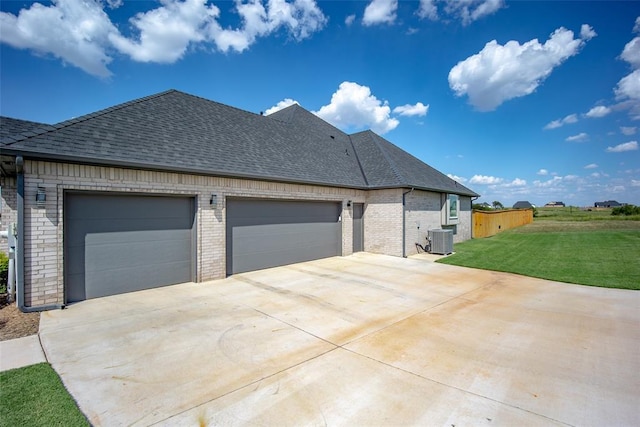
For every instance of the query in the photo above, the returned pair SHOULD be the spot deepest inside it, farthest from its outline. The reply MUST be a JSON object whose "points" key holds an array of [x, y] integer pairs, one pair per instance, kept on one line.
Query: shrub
{"points": [[479, 207], [626, 210], [4, 268]]}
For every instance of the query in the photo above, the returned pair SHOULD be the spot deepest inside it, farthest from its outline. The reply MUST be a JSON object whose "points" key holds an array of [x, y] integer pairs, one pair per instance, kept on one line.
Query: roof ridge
{"points": [[66, 123], [364, 175], [391, 163]]}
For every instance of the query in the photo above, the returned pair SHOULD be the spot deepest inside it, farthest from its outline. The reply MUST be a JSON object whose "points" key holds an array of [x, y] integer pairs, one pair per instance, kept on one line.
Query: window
{"points": [[453, 206], [450, 209]]}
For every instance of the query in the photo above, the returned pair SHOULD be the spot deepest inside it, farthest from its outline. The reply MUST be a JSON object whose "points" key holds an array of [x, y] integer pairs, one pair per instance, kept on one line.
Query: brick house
{"points": [[174, 188]]}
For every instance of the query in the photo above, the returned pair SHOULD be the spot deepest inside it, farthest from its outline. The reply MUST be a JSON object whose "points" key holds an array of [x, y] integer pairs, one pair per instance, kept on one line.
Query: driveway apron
{"points": [[359, 340]]}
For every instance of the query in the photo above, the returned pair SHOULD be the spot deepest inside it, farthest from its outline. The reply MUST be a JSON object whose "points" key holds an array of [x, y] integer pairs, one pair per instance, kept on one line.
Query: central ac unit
{"points": [[441, 241]]}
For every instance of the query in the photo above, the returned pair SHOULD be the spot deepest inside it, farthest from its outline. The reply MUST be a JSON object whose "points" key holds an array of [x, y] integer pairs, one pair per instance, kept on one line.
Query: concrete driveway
{"points": [[360, 340]]}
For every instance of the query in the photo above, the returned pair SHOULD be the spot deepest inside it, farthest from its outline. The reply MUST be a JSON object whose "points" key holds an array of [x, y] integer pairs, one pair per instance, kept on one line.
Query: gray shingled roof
{"points": [[177, 131], [10, 127]]}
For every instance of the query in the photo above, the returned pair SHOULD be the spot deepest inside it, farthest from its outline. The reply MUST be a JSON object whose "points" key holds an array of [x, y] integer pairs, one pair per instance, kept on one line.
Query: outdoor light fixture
{"points": [[348, 203], [41, 197], [214, 201]]}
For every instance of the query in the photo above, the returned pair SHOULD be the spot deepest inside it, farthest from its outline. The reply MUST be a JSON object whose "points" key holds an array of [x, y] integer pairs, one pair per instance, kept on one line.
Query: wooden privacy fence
{"points": [[489, 223]]}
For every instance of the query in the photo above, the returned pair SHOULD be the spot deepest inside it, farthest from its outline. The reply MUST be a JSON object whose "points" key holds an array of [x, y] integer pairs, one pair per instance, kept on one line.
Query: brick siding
{"points": [[44, 250], [44, 263]]}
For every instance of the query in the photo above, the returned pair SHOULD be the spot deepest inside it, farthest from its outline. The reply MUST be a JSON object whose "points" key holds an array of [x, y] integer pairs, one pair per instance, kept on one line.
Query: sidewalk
{"points": [[20, 352]]}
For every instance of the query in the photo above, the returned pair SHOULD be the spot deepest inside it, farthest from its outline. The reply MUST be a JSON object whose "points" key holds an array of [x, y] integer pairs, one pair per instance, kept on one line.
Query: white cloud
{"points": [[635, 182], [460, 179], [167, 31], [628, 130], [467, 11], [556, 180], [380, 12], [499, 73], [571, 118], [80, 33], [581, 137], [599, 111], [281, 105], [428, 10], [300, 17], [75, 31], [418, 109], [629, 86], [517, 183], [542, 172], [114, 4], [485, 180], [631, 52], [587, 32], [627, 146], [591, 166], [349, 19], [353, 105]]}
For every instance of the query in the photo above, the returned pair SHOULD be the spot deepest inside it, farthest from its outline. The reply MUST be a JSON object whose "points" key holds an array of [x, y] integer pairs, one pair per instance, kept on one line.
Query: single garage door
{"points": [[269, 233], [117, 243]]}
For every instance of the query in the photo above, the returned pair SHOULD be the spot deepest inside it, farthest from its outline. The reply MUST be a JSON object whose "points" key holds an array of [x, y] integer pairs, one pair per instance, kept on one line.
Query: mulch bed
{"points": [[14, 323]]}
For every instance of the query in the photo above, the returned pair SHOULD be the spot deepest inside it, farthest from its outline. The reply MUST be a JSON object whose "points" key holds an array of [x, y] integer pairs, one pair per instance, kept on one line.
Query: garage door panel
{"points": [[259, 239], [132, 253], [263, 234], [118, 243], [132, 279]]}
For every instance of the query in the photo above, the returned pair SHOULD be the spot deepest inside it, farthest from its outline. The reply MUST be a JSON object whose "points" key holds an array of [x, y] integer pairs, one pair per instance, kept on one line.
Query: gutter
{"points": [[132, 164], [404, 223], [20, 245]]}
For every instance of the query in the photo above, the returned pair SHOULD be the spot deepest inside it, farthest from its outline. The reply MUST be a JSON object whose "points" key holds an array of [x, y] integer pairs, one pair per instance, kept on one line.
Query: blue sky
{"points": [[522, 100]]}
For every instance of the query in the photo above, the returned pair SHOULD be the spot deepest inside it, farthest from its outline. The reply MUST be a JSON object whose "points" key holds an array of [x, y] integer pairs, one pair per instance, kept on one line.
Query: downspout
{"points": [[404, 223], [20, 245], [473, 199]]}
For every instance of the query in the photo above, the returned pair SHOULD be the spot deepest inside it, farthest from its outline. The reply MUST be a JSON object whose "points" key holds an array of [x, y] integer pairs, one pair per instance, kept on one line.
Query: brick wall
{"points": [[44, 263], [423, 212], [383, 222], [466, 222]]}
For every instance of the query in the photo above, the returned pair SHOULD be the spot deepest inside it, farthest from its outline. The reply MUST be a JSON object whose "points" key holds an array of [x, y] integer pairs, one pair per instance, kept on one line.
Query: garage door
{"points": [[263, 234], [118, 243]]}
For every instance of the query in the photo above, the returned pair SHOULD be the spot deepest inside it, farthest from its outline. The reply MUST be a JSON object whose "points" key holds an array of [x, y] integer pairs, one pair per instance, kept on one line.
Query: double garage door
{"points": [[270, 233], [116, 243]]}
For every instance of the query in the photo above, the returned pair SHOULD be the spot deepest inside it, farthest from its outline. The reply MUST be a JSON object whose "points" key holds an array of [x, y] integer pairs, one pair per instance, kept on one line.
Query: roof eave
{"points": [[167, 168]]}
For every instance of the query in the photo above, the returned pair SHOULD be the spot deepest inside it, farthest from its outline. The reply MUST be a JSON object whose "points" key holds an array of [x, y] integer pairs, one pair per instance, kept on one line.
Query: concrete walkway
{"points": [[20, 352], [360, 340]]}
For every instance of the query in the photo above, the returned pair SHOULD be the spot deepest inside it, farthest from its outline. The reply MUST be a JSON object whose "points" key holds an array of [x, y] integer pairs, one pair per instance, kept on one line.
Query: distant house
{"points": [[522, 205], [555, 205], [607, 204]]}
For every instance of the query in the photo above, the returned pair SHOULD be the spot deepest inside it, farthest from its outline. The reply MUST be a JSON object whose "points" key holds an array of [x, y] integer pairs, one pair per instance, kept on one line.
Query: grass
{"points": [[35, 396], [571, 214], [594, 250]]}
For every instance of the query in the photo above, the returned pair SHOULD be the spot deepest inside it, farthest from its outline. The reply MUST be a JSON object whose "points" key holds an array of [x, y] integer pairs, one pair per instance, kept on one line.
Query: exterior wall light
{"points": [[41, 197], [348, 203], [214, 201]]}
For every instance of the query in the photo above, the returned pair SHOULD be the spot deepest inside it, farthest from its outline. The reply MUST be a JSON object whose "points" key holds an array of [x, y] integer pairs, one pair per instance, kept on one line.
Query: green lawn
{"points": [[588, 252], [35, 396]]}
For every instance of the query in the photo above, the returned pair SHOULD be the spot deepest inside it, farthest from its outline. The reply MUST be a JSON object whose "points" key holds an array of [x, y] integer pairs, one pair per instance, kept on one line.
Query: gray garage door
{"points": [[118, 243], [263, 234]]}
